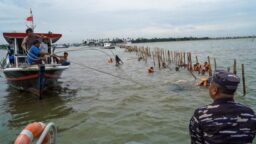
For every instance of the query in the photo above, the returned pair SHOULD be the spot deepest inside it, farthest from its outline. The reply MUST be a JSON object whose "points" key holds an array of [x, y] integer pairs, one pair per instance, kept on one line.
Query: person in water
{"points": [[164, 65], [177, 68], [29, 39], [63, 60], [203, 68], [35, 55], [224, 121], [118, 60], [197, 67], [110, 60], [151, 70], [204, 81], [206, 66]]}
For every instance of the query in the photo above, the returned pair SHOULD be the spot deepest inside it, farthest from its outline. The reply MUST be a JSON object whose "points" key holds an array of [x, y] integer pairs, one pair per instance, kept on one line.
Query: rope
{"points": [[100, 71], [85, 48], [107, 73], [192, 74], [112, 52]]}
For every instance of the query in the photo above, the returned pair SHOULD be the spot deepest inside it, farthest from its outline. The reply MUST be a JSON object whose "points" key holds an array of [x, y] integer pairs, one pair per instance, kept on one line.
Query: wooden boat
{"points": [[33, 78]]}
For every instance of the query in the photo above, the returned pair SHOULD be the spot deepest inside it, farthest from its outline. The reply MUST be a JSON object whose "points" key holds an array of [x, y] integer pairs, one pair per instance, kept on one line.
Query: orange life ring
{"points": [[31, 131]]}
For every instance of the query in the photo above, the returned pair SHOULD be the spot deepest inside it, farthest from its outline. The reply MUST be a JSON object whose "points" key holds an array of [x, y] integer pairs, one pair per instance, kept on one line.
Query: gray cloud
{"points": [[81, 19]]}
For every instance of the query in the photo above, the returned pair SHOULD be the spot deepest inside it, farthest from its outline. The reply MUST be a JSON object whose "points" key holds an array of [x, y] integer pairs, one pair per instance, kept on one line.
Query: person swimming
{"points": [[151, 70], [196, 67], [177, 68], [204, 81], [118, 61], [206, 66], [110, 60], [164, 65]]}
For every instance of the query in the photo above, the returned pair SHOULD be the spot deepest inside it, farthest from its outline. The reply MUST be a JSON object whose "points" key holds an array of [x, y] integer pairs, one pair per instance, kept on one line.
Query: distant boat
{"points": [[60, 46], [108, 46]]}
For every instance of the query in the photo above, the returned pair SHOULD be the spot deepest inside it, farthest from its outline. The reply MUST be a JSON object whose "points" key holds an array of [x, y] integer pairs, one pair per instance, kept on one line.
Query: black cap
{"points": [[226, 79]]}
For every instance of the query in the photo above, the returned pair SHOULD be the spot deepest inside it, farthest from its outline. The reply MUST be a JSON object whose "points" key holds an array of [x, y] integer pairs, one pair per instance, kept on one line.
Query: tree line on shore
{"points": [[145, 40]]}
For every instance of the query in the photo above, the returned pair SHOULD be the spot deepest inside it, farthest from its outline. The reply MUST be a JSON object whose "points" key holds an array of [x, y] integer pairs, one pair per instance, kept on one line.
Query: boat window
{"points": [[20, 50]]}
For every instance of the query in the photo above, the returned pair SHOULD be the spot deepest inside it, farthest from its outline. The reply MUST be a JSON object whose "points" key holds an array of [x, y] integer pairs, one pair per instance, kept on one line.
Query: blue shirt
{"points": [[33, 54], [11, 54], [223, 122]]}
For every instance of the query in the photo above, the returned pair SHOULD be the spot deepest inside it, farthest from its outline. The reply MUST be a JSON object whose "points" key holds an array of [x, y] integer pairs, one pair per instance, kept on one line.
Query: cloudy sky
{"points": [[82, 19]]}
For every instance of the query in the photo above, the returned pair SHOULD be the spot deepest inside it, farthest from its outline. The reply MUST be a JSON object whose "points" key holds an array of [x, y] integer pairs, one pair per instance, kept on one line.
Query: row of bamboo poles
{"points": [[163, 57]]}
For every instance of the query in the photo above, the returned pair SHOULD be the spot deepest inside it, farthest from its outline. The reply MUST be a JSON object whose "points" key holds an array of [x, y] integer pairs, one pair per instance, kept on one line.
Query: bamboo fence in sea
{"points": [[163, 57]]}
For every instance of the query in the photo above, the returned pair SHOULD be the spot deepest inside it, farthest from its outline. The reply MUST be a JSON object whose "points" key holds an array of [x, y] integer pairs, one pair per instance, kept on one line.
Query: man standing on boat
{"points": [[224, 121], [29, 39]]}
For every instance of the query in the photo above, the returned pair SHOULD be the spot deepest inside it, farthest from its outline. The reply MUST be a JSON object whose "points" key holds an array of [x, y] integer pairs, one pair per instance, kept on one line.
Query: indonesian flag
{"points": [[30, 18]]}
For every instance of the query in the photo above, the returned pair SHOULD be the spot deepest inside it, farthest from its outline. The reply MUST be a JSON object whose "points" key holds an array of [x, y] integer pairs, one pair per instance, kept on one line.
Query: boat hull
{"points": [[29, 79]]}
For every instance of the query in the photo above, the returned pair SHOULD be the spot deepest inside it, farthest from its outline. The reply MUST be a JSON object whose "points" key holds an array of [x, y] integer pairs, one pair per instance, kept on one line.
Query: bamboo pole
{"points": [[188, 61], [196, 59], [166, 56], [154, 60], [234, 68], [210, 69], [181, 58], [169, 56], [215, 64], [172, 56], [184, 58], [243, 78], [158, 57], [228, 69], [190, 56]]}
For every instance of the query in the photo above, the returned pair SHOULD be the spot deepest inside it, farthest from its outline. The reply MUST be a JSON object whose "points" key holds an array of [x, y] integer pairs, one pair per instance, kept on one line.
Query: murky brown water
{"points": [[94, 108]]}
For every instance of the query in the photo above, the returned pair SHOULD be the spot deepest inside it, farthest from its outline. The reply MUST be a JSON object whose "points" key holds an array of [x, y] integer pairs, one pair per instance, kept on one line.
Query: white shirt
{"points": [[43, 47]]}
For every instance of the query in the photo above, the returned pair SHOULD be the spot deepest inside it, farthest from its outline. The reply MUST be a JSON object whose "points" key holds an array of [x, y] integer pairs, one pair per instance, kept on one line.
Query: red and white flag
{"points": [[30, 18]]}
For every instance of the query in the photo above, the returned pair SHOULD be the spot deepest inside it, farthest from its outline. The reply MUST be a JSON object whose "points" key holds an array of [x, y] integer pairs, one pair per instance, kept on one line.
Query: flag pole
{"points": [[32, 22]]}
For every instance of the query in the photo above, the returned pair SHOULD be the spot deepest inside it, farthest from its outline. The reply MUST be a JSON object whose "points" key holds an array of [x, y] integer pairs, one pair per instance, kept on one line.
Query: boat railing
{"points": [[21, 61]]}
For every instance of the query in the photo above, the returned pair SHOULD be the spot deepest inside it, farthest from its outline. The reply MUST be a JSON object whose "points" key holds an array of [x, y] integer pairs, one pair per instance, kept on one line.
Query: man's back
{"points": [[33, 54], [223, 122]]}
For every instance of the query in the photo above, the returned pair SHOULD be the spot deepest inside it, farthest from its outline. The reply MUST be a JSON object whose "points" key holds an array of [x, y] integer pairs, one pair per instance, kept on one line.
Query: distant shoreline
{"points": [[150, 40], [3, 46]]}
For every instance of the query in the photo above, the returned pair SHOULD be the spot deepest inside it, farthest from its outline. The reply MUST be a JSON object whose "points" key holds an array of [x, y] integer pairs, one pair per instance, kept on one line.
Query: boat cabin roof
{"points": [[9, 36]]}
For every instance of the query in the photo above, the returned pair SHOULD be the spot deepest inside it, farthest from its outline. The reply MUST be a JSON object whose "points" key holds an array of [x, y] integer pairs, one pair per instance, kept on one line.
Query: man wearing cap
{"points": [[224, 121]]}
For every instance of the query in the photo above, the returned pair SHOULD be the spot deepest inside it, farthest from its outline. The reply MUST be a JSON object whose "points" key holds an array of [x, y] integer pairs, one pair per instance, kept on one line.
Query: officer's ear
{"points": [[214, 90]]}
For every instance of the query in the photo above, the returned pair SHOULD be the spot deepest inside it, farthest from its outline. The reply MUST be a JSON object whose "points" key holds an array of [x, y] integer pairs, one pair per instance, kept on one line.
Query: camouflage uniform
{"points": [[223, 122]]}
